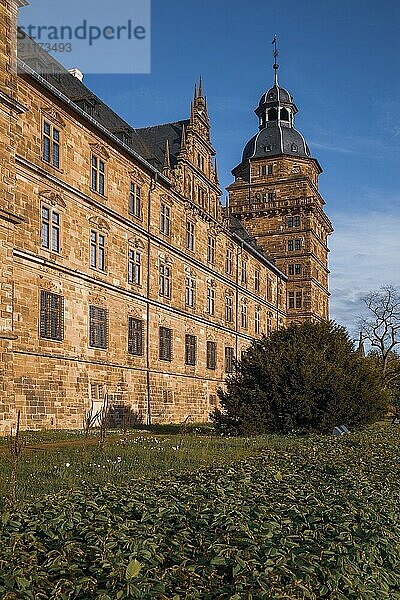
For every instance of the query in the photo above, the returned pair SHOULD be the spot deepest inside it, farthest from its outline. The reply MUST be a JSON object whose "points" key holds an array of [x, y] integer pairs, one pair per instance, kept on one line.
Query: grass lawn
{"points": [[174, 518], [57, 460]]}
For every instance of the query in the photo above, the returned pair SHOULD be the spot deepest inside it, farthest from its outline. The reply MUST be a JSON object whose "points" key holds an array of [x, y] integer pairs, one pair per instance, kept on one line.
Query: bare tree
{"points": [[381, 328]]}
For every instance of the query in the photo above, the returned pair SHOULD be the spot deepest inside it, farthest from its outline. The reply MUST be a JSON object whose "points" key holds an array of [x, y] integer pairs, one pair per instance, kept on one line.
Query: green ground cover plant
{"points": [[313, 517]]}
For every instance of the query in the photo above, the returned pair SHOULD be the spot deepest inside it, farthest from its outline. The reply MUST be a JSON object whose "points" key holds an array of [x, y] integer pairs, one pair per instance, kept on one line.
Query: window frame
{"points": [[51, 319], [164, 281], [190, 349], [165, 219], [189, 236], [135, 336], [165, 343], [134, 267], [51, 144], [98, 175], [98, 327], [211, 355], [135, 200], [52, 228], [98, 250]]}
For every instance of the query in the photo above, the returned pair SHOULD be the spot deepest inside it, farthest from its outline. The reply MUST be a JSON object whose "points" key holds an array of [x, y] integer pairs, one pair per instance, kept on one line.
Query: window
{"points": [[135, 200], [134, 267], [284, 114], [210, 300], [270, 196], [294, 269], [190, 349], [98, 327], [228, 309], [268, 148], [165, 350], [299, 299], [269, 323], [97, 251], [257, 320], [229, 359], [98, 175], [211, 250], [243, 318], [165, 219], [135, 336], [290, 299], [244, 272], [293, 221], [297, 244], [189, 235], [295, 300], [290, 245], [51, 145], [264, 170], [51, 316], [228, 261], [257, 280], [269, 289], [189, 291], [272, 114], [50, 229], [211, 355], [165, 281], [294, 148], [270, 169]]}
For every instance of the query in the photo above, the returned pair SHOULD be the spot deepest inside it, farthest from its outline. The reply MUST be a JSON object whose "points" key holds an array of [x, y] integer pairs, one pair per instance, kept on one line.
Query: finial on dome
{"points": [[276, 66]]}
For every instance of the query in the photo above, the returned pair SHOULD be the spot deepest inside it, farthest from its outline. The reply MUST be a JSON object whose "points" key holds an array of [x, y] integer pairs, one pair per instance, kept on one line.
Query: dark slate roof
{"points": [[237, 227], [276, 139], [44, 64], [156, 137], [276, 94]]}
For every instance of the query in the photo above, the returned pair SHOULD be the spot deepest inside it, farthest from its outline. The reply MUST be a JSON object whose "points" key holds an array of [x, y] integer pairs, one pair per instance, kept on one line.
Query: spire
{"points": [[216, 171], [191, 113], [195, 92], [276, 66], [167, 162], [183, 138], [361, 350], [201, 87]]}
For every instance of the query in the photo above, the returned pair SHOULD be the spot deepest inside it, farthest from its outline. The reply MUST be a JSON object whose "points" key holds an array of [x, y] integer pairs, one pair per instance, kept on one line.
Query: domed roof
{"points": [[274, 95], [275, 140]]}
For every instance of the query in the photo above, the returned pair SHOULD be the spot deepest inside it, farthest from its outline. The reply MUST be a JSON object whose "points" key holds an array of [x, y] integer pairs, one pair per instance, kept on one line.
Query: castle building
{"points": [[122, 276]]}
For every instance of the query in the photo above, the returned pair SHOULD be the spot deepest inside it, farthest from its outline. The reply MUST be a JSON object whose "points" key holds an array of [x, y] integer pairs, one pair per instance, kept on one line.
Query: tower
{"points": [[275, 194]]}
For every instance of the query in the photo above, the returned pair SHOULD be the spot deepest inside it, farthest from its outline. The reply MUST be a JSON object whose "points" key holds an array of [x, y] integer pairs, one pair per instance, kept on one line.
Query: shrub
{"points": [[305, 377]]}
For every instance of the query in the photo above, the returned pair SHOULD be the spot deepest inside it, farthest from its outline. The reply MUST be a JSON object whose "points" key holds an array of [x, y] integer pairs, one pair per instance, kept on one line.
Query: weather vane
{"points": [[276, 66]]}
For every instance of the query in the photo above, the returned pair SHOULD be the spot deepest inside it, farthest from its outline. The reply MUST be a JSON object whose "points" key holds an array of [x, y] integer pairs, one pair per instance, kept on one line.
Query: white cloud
{"points": [[365, 253]]}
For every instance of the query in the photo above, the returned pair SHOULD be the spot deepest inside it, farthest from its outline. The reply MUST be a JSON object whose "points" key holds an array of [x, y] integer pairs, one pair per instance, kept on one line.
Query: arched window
{"points": [[284, 114], [272, 114]]}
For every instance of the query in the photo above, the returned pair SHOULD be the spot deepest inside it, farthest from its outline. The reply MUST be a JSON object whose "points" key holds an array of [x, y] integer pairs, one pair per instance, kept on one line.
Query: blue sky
{"points": [[340, 59]]}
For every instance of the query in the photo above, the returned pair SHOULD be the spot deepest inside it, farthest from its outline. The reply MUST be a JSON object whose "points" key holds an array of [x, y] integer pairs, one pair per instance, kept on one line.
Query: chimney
{"points": [[76, 73]]}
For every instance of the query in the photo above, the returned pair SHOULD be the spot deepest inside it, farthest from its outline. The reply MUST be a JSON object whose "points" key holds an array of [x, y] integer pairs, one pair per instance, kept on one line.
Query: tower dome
{"points": [[277, 135]]}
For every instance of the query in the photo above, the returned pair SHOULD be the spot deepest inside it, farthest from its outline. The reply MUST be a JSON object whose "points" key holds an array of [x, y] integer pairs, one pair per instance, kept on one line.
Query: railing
{"points": [[256, 204]]}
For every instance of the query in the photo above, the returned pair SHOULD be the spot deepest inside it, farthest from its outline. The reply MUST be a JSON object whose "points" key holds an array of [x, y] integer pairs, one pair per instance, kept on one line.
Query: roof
{"points": [[156, 137], [276, 139], [44, 64]]}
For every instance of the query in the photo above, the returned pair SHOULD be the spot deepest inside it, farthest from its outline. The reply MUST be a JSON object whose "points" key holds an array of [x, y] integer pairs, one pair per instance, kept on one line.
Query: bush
{"points": [[305, 377]]}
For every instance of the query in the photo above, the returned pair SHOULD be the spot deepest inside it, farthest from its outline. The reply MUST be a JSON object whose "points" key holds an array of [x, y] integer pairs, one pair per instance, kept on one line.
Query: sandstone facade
{"points": [[122, 276]]}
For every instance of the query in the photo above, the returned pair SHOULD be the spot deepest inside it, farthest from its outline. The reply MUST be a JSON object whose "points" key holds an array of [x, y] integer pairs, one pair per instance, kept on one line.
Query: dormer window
{"points": [[294, 148], [268, 148]]}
